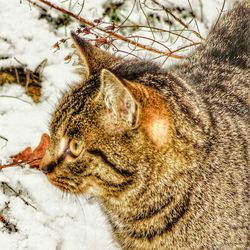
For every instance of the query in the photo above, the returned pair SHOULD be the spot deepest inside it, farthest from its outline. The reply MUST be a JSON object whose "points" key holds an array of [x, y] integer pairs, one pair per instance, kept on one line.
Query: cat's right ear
{"points": [[94, 59]]}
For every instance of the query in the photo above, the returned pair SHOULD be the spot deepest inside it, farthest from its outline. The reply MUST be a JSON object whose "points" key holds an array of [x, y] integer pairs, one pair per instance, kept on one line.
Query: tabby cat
{"points": [[165, 151]]}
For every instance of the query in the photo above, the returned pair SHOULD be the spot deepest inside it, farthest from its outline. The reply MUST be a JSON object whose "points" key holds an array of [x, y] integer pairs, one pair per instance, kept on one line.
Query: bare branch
{"points": [[112, 34], [19, 163], [194, 17], [221, 11], [18, 194], [14, 97], [177, 19], [3, 138]]}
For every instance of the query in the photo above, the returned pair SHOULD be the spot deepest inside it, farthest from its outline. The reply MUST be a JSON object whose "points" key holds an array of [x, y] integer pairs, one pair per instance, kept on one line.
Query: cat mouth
{"points": [[65, 184], [70, 185]]}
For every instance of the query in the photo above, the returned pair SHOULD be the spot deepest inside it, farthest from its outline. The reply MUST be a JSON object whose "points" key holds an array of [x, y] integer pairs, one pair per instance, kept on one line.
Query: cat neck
{"points": [[161, 201]]}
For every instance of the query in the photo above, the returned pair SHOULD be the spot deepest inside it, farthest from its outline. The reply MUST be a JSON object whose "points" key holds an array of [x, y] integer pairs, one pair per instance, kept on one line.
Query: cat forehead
{"points": [[72, 108]]}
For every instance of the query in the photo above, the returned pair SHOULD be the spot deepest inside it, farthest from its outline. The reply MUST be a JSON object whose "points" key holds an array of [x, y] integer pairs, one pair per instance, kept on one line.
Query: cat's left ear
{"points": [[119, 98], [94, 59]]}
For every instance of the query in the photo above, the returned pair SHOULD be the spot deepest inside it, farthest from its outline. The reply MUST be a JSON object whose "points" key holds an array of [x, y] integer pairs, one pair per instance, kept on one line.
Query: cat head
{"points": [[110, 132]]}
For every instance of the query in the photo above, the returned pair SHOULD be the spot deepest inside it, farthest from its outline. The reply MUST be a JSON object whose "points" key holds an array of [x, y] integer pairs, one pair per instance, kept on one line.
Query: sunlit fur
{"points": [[165, 151]]}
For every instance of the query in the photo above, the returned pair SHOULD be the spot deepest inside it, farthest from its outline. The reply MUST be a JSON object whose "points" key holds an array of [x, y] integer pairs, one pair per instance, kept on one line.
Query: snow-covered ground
{"points": [[39, 216]]}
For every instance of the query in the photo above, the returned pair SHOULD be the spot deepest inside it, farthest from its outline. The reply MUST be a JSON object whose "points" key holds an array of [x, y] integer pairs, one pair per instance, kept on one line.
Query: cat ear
{"points": [[118, 98], [93, 58]]}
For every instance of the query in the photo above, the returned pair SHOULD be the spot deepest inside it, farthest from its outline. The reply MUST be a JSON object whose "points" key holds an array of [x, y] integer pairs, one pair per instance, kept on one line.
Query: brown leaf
{"points": [[22, 156], [33, 158]]}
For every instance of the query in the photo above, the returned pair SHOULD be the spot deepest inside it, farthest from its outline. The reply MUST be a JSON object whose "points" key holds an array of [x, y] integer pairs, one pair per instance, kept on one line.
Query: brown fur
{"points": [[166, 152]]}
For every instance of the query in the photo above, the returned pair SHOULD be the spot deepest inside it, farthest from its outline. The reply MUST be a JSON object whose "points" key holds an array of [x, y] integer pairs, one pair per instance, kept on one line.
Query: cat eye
{"points": [[75, 147]]}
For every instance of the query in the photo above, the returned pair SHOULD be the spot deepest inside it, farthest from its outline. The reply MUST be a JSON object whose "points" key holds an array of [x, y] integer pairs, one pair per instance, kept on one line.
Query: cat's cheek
{"points": [[90, 188]]}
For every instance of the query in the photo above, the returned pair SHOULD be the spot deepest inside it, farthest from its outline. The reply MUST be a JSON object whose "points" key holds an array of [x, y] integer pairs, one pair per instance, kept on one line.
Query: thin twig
{"points": [[82, 5], [128, 16], [5, 141], [158, 29], [221, 11], [3, 138], [17, 76], [37, 5], [186, 46], [145, 15], [22, 64], [171, 14], [201, 11], [14, 97], [110, 33], [178, 19], [194, 17], [20, 163], [18, 195], [152, 40]]}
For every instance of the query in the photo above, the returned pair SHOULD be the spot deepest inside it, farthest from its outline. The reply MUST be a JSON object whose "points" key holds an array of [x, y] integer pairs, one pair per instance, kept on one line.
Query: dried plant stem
{"points": [[146, 17], [14, 164], [177, 19], [171, 14], [14, 97], [197, 26], [221, 11], [37, 5], [128, 16], [113, 34], [2, 137], [20, 163], [18, 195], [185, 47], [156, 29]]}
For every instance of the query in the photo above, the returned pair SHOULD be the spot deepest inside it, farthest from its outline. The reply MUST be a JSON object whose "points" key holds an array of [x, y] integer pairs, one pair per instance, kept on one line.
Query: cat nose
{"points": [[48, 168], [47, 165]]}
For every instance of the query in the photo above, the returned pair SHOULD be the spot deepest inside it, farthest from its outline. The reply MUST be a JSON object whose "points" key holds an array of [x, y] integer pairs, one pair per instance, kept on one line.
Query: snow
{"points": [[46, 218]]}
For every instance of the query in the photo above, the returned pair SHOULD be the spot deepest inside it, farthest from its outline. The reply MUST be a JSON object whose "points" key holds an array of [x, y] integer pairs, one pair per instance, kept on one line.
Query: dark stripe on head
{"points": [[99, 153], [120, 186]]}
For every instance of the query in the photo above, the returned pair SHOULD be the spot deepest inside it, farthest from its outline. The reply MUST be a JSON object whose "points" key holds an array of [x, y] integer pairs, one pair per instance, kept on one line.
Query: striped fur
{"points": [[191, 190]]}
